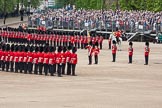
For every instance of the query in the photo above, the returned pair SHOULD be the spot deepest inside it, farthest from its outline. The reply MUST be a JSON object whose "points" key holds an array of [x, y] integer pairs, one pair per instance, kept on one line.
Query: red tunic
{"points": [[52, 58], [147, 50], [74, 58], [58, 58], [130, 50], [46, 58], [114, 49]]}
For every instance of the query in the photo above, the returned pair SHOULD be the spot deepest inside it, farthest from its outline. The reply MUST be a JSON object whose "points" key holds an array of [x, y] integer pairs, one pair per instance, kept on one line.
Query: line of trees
{"points": [[9, 6], [151, 5]]}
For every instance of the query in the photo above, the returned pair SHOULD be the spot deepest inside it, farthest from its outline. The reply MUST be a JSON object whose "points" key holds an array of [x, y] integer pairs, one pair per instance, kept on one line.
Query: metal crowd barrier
{"points": [[106, 25]]}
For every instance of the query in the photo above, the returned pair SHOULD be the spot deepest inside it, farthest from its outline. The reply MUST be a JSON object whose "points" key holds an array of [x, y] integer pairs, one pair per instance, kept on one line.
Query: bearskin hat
{"points": [[59, 49], [12, 47], [114, 42], [69, 47], [147, 43], [64, 49], [74, 49], [130, 43], [36, 48], [96, 44]]}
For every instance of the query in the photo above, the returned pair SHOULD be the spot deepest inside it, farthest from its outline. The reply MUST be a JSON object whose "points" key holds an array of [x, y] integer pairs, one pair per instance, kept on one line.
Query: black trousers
{"points": [[90, 59], [63, 68], [59, 66], [82, 45], [30, 67], [130, 58], [3, 65], [101, 45], [36, 69], [21, 66], [109, 45], [52, 69], [68, 68], [73, 69], [78, 45], [7, 65], [0, 63], [96, 59], [114, 57], [46, 69], [146, 59], [40, 65], [12, 66], [16, 66], [25, 67]]}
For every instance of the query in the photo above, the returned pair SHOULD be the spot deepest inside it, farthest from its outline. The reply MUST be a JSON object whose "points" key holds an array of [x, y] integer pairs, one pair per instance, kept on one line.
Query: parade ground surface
{"points": [[106, 85]]}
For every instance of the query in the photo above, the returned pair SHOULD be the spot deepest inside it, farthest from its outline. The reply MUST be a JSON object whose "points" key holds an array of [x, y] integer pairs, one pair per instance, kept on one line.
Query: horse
{"points": [[117, 40]]}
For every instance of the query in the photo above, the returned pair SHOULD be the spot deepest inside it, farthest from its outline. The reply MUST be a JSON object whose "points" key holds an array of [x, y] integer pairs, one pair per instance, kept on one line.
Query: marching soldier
{"points": [[130, 50], [147, 51], [25, 63], [74, 60], [46, 60], [40, 60], [114, 49], [68, 57], [59, 61], [12, 58], [16, 58], [96, 51], [7, 57], [64, 60], [90, 52], [52, 61], [30, 60], [35, 60]]}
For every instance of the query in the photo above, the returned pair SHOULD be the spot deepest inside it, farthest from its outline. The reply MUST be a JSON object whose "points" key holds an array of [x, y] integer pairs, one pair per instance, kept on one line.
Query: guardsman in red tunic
{"points": [[96, 52], [74, 60], [100, 41], [90, 52], [130, 51], [16, 58], [25, 59], [82, 41], [68, 57], [35, 60], [59, 61], [40, 60], [30, 60], [12, 58], [21, 58], [52, 61], [7, 57], [3, 57], [46, 60], [147, 51], [64, 56], [114, 49]]}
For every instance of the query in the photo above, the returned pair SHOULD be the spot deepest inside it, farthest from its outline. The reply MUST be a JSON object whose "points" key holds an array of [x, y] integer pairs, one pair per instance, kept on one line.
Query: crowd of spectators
{"points": [[96, 19]]}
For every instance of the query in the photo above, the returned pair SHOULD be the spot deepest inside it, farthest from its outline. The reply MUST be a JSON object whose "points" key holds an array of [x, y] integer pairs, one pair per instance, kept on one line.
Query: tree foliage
{"points": [[10, 5], [151, 5]]}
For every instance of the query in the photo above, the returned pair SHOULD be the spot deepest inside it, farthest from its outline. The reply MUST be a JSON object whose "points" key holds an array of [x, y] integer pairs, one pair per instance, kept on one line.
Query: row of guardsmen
{"points": [[38, 60], [55, 38]]}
